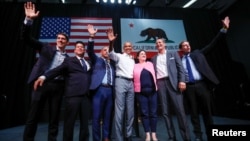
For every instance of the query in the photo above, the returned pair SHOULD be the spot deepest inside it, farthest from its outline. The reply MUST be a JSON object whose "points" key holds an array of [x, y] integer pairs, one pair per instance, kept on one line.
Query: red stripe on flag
{"points": [[78, 30], [85, 30], [87, 37], [73, 44], [95, 24]]}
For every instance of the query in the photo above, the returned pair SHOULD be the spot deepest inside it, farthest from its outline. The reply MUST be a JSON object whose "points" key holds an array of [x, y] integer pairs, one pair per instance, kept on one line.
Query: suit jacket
{"points": [[200, 60], [76, 79], [175, 68], [98, 68], [46, 53]]}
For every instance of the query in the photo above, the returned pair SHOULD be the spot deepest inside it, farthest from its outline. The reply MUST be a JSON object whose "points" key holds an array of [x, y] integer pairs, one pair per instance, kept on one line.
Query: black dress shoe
{"points": [[172, 139], [128, 139]]}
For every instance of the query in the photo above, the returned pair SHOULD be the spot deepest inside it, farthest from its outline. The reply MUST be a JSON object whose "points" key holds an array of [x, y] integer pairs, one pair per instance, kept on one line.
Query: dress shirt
{"points": [[161, 66], [125, 66], [196, 74], [104, 80], [28, 21], [87, 64], [57, 60]]}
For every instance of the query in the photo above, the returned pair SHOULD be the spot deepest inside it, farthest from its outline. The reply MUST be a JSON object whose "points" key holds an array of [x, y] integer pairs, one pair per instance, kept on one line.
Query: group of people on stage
{"points": [[114, 81]]}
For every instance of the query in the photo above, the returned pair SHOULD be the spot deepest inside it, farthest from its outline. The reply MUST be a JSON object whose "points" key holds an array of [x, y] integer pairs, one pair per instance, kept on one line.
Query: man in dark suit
{"points": [[50, 57], [76, 71], [171, 82], [102, 82], [197, 92]]}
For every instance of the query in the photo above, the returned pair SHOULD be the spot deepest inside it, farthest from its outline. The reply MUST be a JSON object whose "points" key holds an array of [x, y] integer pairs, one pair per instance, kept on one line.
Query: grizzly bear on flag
{"points": [[153, 33]]}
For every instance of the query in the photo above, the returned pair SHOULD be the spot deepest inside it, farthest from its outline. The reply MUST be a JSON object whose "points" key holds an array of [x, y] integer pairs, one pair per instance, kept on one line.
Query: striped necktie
{"points": [[84, 66], [108, 72]]}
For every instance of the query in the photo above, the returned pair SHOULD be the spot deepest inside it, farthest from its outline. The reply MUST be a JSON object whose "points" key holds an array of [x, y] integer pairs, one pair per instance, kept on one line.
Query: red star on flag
{"points": [[131, 25]]}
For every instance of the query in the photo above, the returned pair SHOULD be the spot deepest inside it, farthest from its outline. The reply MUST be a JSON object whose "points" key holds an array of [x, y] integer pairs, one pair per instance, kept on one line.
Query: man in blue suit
{"points": [[197, 93], [102, 82], [50, 57], [76, 71], [171, 82]]}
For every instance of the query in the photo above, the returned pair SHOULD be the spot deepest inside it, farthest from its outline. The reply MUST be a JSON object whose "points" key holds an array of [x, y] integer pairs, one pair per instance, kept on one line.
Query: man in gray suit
{"points": [[124, 88], [171, 82]]}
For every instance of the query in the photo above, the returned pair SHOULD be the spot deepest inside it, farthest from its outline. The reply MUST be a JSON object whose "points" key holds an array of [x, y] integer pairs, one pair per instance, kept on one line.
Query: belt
{"points": [[106, 85], [195, 82], [122, 77], [164, 78]]}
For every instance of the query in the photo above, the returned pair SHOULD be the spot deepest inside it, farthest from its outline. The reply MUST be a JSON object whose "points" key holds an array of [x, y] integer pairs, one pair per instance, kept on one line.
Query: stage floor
{"points": [[15, 133]]}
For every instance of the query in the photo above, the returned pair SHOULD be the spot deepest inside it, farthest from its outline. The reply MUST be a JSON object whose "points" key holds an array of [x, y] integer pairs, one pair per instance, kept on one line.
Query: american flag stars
{"points": [[53, 25]]}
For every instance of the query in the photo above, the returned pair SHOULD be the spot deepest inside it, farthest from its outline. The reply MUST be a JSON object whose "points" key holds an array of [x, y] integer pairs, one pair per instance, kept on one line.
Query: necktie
{"points": [[83, 65], [190, 74], [108, 72]]}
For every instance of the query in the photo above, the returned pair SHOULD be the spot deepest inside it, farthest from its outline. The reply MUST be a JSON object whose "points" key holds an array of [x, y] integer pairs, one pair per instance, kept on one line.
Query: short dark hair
{"points": [[64, 34], [80, 42], [138, 53], [180, 44]]}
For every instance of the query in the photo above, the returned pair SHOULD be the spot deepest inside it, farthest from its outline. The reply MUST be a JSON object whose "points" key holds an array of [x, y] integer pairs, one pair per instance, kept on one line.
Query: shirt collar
{"points": [[129, 55], [165, 51], [79, 58], [62, 52]]}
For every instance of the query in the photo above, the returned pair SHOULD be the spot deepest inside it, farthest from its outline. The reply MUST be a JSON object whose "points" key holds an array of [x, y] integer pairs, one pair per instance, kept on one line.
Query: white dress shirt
{"points": [[161, 66], [124, 64], [87, 64]]}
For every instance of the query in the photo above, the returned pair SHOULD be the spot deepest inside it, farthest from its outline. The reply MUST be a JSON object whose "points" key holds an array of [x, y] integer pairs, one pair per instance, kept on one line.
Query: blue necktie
{"points": [[190, 74], [108, 72], [83, 65]]}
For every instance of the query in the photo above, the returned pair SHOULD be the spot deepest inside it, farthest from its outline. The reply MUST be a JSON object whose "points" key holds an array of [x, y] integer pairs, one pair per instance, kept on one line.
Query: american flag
{"points": [[76, 28]]}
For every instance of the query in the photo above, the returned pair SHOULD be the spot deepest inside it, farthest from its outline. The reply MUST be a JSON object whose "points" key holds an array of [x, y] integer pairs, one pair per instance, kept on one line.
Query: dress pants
{"points": [[51, 92], [124, 108], [102, 106], [167, 96], [76, 105], [199, 100], [148, 107]]}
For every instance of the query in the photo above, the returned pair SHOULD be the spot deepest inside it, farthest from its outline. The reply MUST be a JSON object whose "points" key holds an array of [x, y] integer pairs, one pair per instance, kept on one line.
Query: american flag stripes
{"points": [[76, 28]]}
